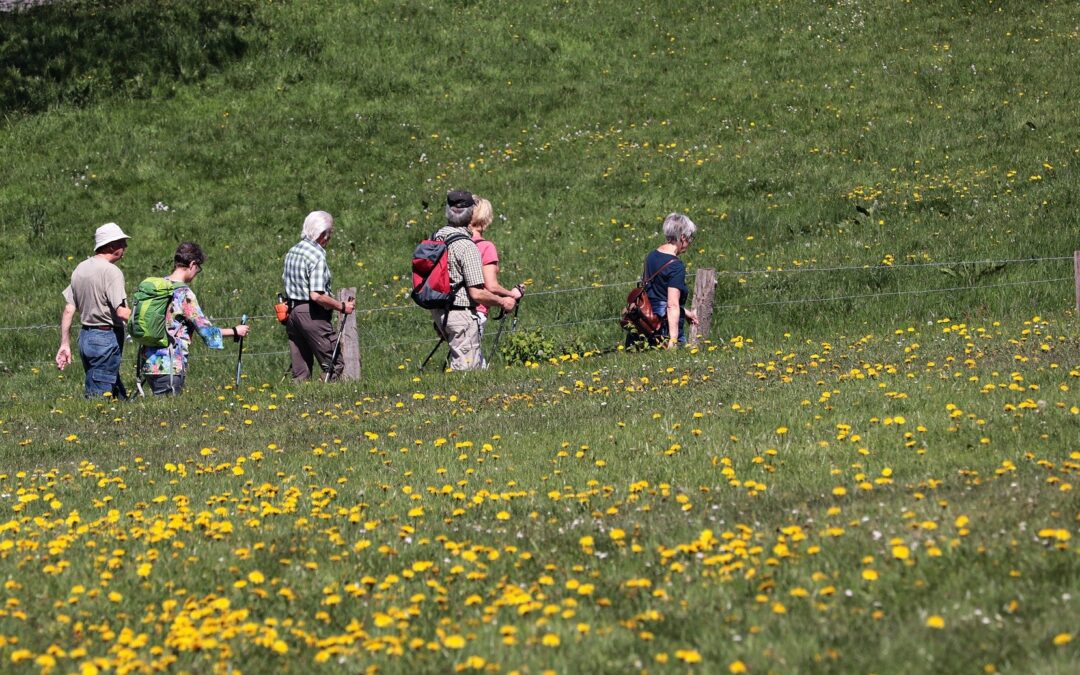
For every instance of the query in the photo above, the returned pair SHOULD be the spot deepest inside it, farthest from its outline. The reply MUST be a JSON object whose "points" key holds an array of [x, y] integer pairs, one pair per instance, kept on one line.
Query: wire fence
{"points": [[736, 273], [429, 340]]}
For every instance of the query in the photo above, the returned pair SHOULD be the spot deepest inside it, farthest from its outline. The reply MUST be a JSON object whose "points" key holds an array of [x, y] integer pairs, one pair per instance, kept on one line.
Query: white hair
{"points": [[316, 223], [677, 226], [458, 216]]}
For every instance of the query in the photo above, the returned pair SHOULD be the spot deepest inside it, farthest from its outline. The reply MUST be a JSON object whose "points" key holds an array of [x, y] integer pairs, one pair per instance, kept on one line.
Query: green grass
{"points": [[898, 145]]}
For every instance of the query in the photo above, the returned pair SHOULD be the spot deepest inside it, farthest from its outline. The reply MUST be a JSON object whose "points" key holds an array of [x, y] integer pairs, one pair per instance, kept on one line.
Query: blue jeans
{"points": [[100, 351], [660, 308]]}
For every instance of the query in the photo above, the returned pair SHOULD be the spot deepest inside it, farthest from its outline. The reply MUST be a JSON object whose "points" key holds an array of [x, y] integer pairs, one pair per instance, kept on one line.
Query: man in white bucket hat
{"points": [[97, 292]]}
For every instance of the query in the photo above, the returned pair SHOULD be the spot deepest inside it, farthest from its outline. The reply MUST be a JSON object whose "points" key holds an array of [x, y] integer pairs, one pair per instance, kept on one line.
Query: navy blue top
{"points": [[674, 275]]}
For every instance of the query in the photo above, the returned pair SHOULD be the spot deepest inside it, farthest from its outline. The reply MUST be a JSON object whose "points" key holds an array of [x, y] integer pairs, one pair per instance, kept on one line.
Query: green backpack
{"points": [[149, 306]]}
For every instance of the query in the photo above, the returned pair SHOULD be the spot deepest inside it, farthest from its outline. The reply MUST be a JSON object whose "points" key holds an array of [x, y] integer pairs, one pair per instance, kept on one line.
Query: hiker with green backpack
{"points": [[165, 314]]}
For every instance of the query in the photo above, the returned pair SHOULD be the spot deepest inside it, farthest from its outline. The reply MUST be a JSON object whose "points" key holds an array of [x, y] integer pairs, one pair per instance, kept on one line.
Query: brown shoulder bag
{"points": [[638, 315]]}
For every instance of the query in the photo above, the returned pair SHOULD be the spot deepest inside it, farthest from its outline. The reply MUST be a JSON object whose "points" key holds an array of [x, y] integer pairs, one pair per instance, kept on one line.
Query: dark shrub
{"points": [[76, 51]]}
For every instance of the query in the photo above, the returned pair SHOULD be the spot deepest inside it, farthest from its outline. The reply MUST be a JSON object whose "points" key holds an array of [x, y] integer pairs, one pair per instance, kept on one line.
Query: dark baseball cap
{"points": [[461, 199]]}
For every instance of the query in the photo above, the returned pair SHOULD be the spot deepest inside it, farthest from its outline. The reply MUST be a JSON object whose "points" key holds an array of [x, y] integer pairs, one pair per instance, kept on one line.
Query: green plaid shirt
{"points": [[306, 271]]}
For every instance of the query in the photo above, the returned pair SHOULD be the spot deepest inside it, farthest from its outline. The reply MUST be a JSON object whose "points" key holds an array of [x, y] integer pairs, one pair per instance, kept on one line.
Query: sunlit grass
{"points": [[868, 468]]}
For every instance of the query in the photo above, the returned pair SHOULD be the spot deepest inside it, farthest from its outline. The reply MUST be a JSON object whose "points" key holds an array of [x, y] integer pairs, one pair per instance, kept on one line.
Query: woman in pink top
{"points": [[489, 257]]}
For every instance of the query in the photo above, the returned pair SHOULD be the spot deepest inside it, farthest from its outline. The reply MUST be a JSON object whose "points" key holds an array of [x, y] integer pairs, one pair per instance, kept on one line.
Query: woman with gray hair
{"points": [[665, 275]]}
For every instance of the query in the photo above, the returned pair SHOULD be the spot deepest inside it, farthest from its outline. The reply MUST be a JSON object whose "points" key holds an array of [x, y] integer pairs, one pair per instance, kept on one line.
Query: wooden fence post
{"points": [[704, 290], [1076, 272], [350, 340]]}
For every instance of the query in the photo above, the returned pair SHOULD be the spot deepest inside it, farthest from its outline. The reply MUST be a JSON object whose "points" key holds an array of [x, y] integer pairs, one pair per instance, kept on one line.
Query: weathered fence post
{"points": [[350, 340], [704, 290], [1076, 273]]}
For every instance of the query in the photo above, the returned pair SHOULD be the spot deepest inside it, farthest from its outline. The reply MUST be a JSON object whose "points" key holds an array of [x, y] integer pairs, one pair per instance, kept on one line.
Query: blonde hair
{"points": [[482, 214]]}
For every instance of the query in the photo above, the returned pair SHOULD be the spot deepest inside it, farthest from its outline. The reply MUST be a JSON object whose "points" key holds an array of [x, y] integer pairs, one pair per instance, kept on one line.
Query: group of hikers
{"points": [[165, 314]]}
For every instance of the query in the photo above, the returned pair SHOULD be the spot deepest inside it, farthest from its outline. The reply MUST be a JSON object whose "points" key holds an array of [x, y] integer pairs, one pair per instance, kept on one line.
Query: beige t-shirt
{"points": [[97, 289]]}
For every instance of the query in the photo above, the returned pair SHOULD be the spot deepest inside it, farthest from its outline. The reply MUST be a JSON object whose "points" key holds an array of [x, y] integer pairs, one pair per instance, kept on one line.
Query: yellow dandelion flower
{"points": [[736, 667], [551, 640], [1062, 639], [935, 621], [901, 552], [454, 642], [688, 655], [870, 575]]}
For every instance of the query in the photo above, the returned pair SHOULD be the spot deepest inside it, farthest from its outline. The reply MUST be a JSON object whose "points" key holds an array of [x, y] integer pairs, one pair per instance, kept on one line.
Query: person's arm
{"points": [[193, 315], [673, 311], [491, 283], [63, 355], [482, 296], [319, 277], [115, 294], [331, 303]]}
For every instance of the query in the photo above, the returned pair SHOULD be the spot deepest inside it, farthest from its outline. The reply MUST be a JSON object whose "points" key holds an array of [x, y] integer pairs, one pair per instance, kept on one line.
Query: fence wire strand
{"points": [[624, 284]]}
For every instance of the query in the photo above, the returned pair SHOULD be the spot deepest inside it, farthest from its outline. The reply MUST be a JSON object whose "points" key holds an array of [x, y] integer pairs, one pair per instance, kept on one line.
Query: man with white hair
{"points": [[97, 293], [311, 301]]}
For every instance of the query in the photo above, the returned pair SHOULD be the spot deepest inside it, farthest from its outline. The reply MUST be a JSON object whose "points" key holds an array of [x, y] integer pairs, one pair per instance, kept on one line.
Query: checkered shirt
{"points": [[464, 263], [306, 271]]}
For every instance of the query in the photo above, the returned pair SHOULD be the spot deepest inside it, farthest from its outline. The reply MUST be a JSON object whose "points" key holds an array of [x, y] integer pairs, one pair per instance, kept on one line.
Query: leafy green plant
{"points": [[534, 346], [527, 346]]}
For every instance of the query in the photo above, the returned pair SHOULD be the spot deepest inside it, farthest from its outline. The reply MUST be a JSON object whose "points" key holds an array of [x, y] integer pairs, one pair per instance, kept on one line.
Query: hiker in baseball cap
{"points": [[458, 323]]}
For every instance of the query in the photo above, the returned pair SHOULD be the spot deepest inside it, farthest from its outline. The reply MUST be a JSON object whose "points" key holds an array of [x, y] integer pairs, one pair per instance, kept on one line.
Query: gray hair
{"points": [[317, 223], [457, 216], [677, 226]]}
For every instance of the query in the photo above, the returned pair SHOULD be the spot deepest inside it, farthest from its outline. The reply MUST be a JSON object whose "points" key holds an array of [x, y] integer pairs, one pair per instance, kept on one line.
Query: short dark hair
{"points": [[188, 253], [112, 246]]}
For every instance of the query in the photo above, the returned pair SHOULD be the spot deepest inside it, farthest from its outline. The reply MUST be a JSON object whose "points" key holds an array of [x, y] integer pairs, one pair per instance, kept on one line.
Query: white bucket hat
{"points": [[107, 234]]}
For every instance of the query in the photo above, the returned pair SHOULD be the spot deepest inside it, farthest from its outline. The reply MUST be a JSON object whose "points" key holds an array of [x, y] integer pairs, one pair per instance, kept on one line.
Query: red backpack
{"points": [[431, 273]]}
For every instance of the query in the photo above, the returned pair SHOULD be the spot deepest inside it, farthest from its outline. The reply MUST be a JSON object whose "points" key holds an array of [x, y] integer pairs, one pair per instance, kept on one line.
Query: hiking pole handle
{"points": [[240, 350]]}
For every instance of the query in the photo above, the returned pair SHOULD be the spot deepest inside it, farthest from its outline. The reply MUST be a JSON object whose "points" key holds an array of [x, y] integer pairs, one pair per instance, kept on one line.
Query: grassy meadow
{"points": [[868, 467]]}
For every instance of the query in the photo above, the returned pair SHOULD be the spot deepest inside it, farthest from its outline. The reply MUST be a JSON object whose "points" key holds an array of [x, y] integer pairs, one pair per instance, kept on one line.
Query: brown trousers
{"points": [[312, 336]]}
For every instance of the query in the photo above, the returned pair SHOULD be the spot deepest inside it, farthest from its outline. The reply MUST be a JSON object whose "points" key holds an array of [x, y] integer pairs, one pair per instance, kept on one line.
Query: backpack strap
{"points": [[170, 316], [645, 282], [450, 239]]}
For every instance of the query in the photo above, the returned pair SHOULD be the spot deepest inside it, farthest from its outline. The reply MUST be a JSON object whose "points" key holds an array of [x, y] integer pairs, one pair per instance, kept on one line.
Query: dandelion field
{"points": [[870, 466]]}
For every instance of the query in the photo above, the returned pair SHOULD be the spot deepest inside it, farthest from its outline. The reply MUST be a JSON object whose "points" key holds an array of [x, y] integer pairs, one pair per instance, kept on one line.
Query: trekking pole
{"points": [[502, 324], [337, 346], [240, 351], [432, 352]]}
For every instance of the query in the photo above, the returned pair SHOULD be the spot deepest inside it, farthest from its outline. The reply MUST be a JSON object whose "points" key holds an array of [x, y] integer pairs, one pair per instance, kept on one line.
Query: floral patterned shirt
{"points": [[181, 317]]}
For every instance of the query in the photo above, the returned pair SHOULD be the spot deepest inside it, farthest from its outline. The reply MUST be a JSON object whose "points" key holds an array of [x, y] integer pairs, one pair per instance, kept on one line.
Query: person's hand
{"points": [[507, 303], [348, 306], [241, 330], [672, 344], [63, 356], [520, 288], [691, 316]]}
